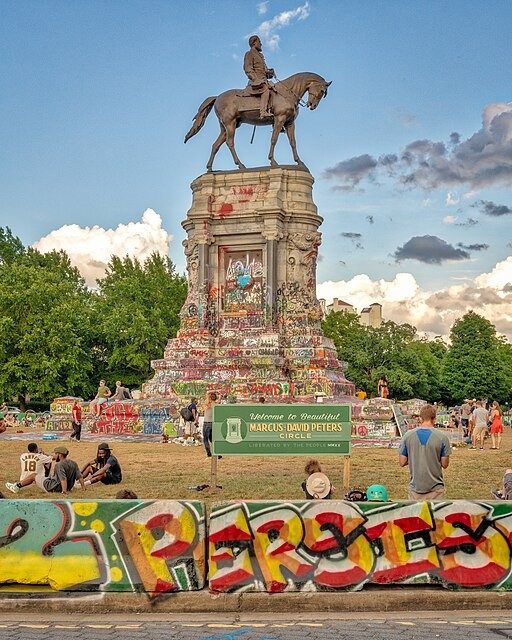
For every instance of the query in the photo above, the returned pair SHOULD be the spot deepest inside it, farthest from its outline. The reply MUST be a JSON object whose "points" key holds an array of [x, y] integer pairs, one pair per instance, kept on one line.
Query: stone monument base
{"points": [[250, 326]]}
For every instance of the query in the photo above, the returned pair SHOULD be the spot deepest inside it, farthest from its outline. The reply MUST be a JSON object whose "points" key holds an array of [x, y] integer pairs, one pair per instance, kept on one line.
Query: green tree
{"points": [[11, 246], [45, 349], [474, 365], [137, 310], [431, 354], [411, 366]]}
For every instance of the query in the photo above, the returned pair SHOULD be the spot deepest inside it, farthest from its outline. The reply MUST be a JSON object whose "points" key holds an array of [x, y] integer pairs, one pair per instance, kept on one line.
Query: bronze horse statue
{"points": [[286, 96]]}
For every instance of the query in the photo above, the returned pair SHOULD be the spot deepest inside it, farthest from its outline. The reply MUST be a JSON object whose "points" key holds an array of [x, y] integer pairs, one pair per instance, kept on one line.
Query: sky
{"points": [[411, 150]]}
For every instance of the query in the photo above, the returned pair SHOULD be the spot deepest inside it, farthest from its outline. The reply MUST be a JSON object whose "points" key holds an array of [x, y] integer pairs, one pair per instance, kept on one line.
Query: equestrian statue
{"points": [[260, 103]]}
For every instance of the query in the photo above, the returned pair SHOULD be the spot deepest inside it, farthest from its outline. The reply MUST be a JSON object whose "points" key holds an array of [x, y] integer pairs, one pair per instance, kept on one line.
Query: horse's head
{"points": [[316, 91]]}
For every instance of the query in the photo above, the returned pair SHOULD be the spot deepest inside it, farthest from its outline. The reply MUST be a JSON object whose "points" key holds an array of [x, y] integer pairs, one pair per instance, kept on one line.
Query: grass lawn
{"points": [[155, 470]]}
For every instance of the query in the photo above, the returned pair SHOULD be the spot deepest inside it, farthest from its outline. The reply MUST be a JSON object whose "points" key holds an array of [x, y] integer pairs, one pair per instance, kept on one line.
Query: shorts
{"points": [[479, 431], [464, 422], [46, 485], [108, 478], [435, 494], [190, 428]]}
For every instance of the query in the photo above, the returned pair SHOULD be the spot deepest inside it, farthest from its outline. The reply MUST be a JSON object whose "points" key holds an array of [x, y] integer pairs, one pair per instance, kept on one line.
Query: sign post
{"points": [[283, 430]]}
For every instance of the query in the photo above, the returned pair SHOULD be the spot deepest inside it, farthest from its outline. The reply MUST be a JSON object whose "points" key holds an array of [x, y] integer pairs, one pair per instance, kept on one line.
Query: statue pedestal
{"points": [[250, 325]]}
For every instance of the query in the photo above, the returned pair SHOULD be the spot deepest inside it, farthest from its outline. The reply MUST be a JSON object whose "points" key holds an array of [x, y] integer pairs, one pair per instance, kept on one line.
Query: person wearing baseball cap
{"points": [[65, 473], [105, 468]]}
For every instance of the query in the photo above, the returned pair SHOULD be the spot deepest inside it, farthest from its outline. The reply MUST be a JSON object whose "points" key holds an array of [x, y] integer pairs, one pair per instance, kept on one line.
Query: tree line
{"points": [[59, 337], [477, 363]]}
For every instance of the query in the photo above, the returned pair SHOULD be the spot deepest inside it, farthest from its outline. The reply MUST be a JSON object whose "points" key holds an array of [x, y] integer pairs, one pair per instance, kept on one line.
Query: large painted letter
{"points": [[402, 541], [277, 534], [335, 533], [161, 537], [38, 546], [472, 552], [230, 549]]}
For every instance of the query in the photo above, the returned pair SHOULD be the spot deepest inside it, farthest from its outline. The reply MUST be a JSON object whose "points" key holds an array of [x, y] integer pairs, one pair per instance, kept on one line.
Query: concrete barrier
{"points": [[155, 547], [326, 545], [107, 547]]}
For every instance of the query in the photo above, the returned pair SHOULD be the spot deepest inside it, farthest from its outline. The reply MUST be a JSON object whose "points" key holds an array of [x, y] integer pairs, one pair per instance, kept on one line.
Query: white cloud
{"points": [[450, 219], [267, 30], [432, 312], [262, 7], [451, 199], [90, 248]]}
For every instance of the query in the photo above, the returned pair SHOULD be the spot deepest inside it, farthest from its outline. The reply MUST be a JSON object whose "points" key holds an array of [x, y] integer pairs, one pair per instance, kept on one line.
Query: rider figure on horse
{"points": [[259, 75]]}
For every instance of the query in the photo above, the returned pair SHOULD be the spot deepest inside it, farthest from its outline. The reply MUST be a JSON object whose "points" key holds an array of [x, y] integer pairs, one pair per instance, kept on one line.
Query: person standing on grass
{"points": [[192, 425], [479, 420], [211, 401], [496, 421], [76, 412], [426, 451], [465, 415]]}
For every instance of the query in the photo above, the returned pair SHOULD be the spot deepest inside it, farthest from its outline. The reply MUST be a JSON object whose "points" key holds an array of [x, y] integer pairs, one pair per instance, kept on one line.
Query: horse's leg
{"points": [[216, 146], [278, 125], [290, 132], [230, 141]]}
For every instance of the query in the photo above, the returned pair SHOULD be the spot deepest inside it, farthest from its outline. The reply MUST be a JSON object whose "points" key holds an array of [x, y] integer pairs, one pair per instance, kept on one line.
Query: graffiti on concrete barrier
{"points": [[107, 545], [325, 545]]}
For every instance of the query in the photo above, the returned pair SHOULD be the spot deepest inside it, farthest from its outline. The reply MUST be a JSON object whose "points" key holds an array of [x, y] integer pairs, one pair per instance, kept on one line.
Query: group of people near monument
{"points": [[478, 419], [58, 473]]}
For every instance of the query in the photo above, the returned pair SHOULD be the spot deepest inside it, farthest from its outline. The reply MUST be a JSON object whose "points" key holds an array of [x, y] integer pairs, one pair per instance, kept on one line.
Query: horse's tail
{"points": [[201, 116]]}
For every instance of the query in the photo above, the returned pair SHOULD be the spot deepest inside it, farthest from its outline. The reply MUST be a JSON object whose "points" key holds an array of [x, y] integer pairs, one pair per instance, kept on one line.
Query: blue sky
{"points": [[95, 98]]}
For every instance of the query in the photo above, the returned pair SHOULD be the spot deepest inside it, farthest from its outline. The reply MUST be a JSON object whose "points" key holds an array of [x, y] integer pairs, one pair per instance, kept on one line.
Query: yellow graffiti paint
{"points": [[84, 508], [98, 526], [116, 575], [59, 572]]}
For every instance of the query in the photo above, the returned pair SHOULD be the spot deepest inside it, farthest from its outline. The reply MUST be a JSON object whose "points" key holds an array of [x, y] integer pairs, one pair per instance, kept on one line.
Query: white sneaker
{"points": [[12, 487]]}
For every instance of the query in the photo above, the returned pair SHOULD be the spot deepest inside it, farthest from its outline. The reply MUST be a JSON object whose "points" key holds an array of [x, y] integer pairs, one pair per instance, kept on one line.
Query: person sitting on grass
{"points": [[506, 492], [105, 468], [35, 466], [317, 486]]}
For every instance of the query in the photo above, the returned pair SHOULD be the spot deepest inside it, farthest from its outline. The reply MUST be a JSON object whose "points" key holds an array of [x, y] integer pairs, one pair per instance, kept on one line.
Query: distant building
{"points": [[339, 305], [369, 317]]}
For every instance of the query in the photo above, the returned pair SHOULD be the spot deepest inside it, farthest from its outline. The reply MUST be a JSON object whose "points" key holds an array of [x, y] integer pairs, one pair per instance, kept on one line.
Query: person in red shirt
{"points": [[77, 420]]}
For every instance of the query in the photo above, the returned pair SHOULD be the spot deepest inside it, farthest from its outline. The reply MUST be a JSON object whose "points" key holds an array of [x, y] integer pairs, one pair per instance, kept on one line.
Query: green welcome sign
{"points": [[281, 429]]}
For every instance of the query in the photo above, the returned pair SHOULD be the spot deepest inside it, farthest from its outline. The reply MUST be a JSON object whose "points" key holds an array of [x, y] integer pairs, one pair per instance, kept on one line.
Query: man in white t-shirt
{"points": [[33, 468]]}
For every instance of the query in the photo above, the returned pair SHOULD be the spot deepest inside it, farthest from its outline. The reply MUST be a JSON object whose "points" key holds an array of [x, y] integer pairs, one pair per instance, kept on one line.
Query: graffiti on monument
{"points": [[325, 545], [115, 418], [243, 281], [123, 545]]}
